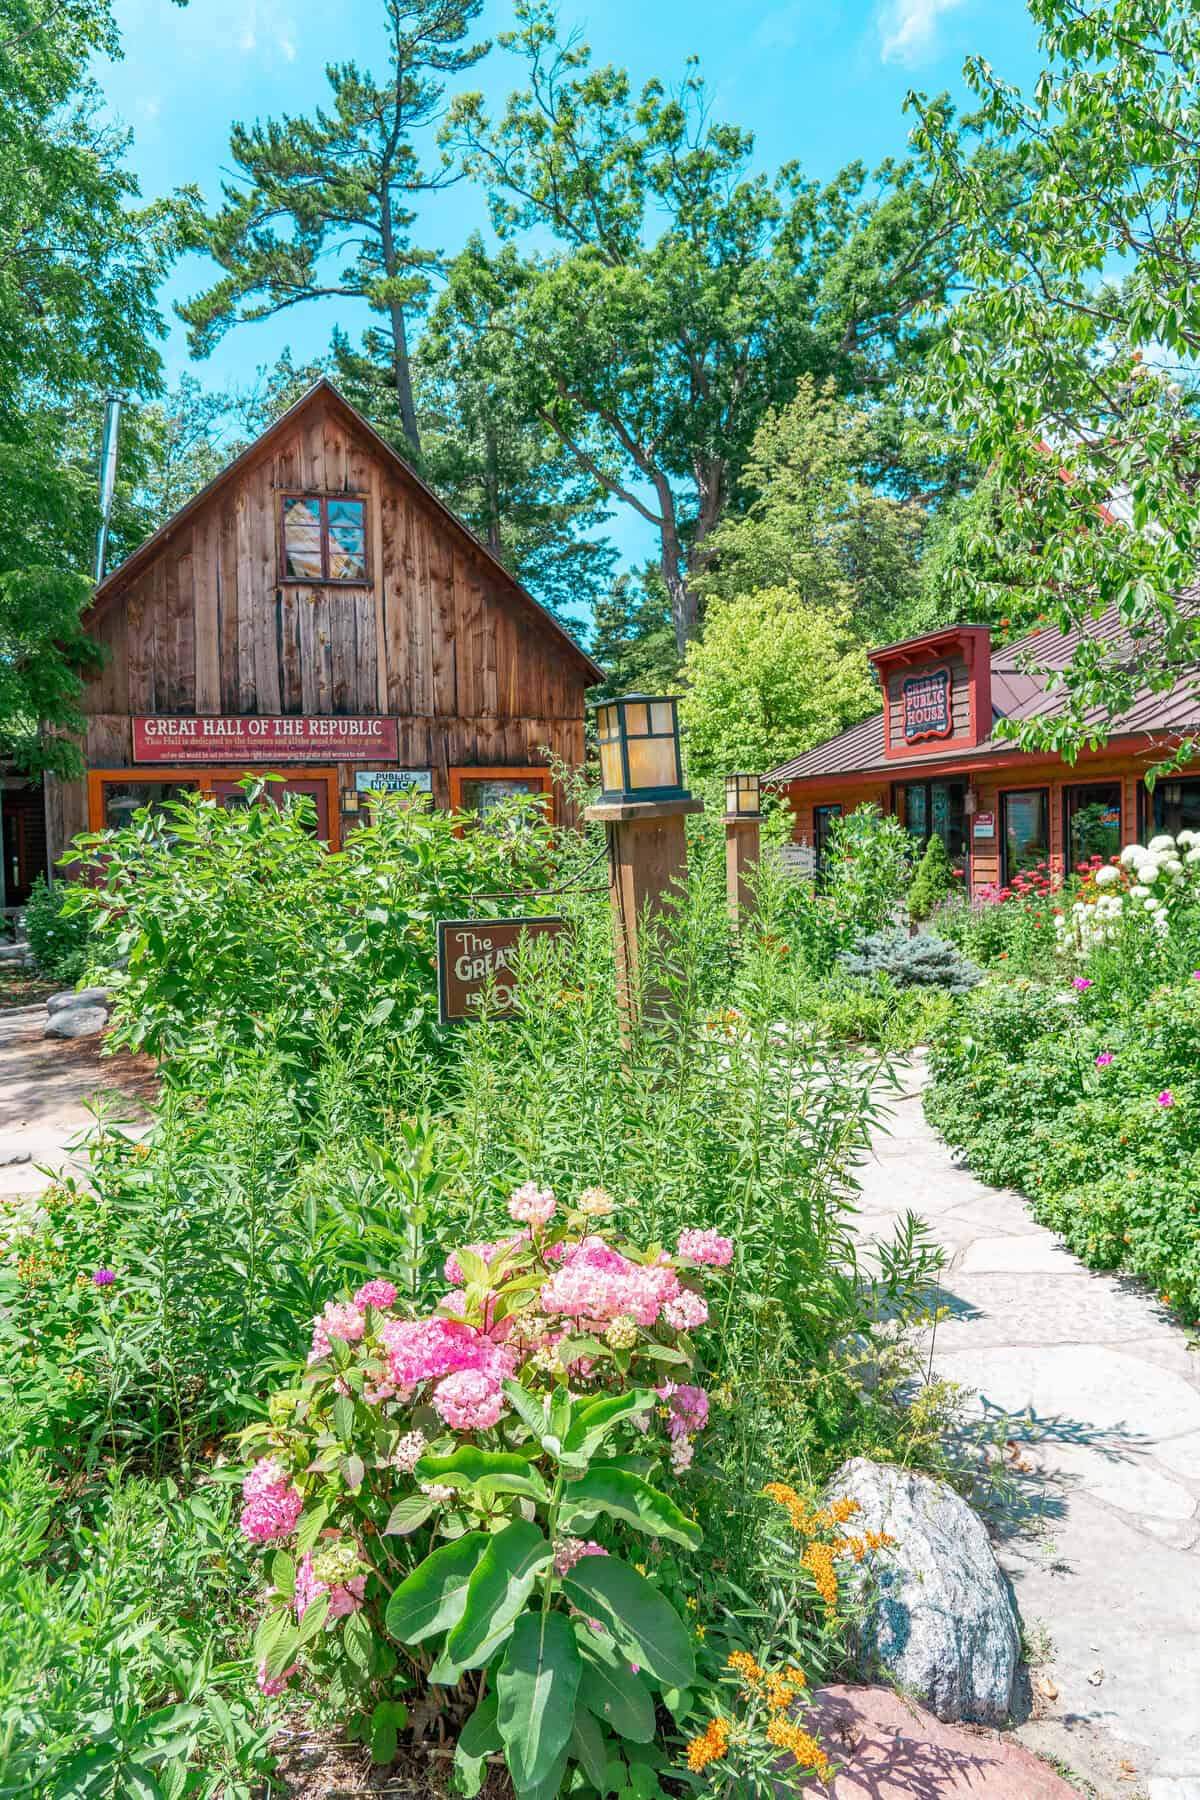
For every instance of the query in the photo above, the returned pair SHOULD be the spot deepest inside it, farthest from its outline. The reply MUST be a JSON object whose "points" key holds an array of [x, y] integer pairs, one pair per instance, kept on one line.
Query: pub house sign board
{"points": [[926, 704], [475, 962]]}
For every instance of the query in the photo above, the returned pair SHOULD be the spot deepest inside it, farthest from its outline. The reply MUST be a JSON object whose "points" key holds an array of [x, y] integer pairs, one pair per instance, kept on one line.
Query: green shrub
{"points": [[923, 961], [868, 866], [934, 881], [58, 939]]}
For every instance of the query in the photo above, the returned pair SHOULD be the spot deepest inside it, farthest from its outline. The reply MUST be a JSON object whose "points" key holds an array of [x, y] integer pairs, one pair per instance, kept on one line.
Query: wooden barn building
{"points": [[932, 758], [317, 612]]}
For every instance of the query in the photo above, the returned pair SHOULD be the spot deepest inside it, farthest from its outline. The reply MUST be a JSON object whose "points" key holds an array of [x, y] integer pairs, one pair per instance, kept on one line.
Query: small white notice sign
{"points": [[797, 860]]}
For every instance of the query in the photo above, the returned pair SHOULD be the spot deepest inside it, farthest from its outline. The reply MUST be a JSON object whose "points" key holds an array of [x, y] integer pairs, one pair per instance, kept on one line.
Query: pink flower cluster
{"points": [[568, 1551], [706, 1247], [272, 1502], [597, 1282], [342, 1600], [377, 1293], [446, 1351], [270, 1685], [688, 1408], [532, 1205], [340, 1319]]}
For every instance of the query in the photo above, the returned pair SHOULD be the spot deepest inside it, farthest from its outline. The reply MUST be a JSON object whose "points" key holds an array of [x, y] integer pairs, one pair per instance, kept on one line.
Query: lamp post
{"points": [[642, 806], [743, 818]]}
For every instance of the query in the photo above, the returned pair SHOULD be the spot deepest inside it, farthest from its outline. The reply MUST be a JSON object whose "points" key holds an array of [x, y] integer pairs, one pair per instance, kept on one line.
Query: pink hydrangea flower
{"points": [[340, 1319], [427, 1349], [272, 1502], [1104, 1058], [686, 1311], [706, 1247], [1166, 1098], [343, 1600], [409, 1451], [270, 1685], [532, 1205], [377, 1293], [469, 1401], [596, 1282]]}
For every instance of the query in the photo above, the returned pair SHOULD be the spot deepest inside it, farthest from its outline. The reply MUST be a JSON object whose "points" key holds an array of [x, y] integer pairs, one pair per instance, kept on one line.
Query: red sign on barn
{"points": [[254, 740], [925, 701]]}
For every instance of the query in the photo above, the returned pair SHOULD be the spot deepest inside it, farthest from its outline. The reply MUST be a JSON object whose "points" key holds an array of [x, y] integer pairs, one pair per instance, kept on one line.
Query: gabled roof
{"points": [[1016, 694], [324, 390]]}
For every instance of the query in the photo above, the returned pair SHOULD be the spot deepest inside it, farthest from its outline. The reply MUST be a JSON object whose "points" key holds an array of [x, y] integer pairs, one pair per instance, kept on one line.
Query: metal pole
{"points": [[108, 476]]}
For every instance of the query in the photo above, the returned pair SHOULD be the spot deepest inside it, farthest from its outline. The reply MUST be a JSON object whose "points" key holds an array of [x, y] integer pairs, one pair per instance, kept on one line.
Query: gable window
{"points": [[324, 538]]}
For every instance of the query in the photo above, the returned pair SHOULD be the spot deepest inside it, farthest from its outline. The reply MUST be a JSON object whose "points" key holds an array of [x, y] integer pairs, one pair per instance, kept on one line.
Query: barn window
{"points": [[324, 538]]}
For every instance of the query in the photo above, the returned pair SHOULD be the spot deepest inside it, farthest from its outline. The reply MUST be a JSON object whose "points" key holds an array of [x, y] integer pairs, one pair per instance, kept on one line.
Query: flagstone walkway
{"points": [[1098, 1396]]}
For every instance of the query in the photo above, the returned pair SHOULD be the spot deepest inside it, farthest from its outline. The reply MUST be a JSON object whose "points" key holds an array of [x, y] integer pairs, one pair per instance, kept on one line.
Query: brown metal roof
{"points": [[119, 578], [1016, 694]]}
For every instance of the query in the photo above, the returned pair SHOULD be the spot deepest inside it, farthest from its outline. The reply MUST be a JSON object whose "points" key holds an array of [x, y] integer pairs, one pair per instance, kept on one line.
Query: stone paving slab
{"points": [[1097, 1394]]}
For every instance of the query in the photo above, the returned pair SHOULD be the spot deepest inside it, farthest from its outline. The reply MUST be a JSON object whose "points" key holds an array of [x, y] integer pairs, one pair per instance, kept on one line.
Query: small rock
{"points": [[76, 1022], [10, 1158], [941, 1619], [93, 996]]}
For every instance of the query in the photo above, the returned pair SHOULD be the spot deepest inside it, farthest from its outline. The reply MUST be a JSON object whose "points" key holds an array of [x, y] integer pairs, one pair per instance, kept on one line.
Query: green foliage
{"points": [[340, 186], [868, 867], [235, 927], [814, 523], [878, 1011], [120, 1667], [58, 939], [1074, 327], [922, 961], [770, 677], [1104, 1159], [933, 882], [78, 315], [672, 295]]}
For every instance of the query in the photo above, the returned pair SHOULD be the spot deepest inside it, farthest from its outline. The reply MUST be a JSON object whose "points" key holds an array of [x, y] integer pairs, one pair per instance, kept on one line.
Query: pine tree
{"points": [[325, 206]]}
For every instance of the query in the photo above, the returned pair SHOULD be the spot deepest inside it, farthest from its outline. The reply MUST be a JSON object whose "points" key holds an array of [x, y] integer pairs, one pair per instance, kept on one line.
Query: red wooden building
{"points": [[932, 758], [318, 613]]}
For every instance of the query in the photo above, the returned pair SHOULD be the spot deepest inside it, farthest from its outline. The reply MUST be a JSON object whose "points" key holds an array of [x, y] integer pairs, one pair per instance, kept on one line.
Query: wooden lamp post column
{"points": [[743, 819], [642, 806]]}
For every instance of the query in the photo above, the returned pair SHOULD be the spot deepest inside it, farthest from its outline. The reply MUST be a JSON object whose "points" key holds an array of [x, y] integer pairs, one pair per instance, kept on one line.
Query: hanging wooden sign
{"points": [[248, 739], [925, 701], [475, 958]]}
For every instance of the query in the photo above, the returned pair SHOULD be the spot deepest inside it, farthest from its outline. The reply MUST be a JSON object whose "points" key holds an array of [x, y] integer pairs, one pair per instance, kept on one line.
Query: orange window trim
{"points": [[203, 778], [485, 772]]}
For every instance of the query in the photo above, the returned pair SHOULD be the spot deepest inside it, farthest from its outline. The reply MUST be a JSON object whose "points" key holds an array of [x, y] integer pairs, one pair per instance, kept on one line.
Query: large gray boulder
{"points": [[76, 1022], [940, 1620], [72, 997]]}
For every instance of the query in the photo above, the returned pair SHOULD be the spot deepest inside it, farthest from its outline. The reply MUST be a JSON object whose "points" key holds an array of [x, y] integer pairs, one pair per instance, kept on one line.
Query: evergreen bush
{"points": [[933, 882], [58, 941], [912, 962]]}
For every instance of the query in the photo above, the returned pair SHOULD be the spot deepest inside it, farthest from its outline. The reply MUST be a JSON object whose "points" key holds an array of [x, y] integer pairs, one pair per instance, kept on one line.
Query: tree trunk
{"points": [[491, 491], [685, 612], [401, 372]]}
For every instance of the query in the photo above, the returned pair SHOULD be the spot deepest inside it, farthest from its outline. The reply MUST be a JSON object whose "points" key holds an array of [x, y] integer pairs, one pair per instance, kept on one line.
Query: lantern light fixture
{"points": [[639, 750], [743, 797]]}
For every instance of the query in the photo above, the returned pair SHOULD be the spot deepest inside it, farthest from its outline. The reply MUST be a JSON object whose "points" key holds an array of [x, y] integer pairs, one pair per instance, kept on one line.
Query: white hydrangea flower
{"points": [[1152, 902], [1138, 892], [1193, 856], [1106, 876], [1132, 853], [1164, 841]]}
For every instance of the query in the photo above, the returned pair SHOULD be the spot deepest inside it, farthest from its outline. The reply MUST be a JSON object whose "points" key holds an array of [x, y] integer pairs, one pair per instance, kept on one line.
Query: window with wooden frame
{"points": [[481, 791], [323, 538], [114, 795]]}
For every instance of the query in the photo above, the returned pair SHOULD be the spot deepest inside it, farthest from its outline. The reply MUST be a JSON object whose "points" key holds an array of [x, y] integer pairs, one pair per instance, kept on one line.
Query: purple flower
{"points": [[104, 1277], [1104, 1058], [1080, 983], [1166, 1098], [1196, 974]]}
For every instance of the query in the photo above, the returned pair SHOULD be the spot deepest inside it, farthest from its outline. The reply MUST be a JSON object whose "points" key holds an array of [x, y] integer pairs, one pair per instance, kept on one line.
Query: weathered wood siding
{"points": [[437, 636]]}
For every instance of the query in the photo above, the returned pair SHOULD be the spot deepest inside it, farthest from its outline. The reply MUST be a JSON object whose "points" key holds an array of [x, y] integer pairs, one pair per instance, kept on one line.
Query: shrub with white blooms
{"points": [[1155, 878]]}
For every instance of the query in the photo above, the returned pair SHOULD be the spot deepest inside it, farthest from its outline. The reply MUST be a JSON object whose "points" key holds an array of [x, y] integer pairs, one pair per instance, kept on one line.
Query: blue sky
{"points": [[822, 81]]}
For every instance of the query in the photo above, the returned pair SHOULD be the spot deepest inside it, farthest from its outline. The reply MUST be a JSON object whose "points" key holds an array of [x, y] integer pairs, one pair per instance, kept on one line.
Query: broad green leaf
{"points": [[408, 1515], [312, 1523], [536, 1685], [283, 1574], [593, 1422], [499, 1588], [531, 1414], [487, 1471], [343, 1417], [640, 1620], [632, 1500], [314, 1618], [357, 1638], [587, 1747], [481, 1733], [612, 1692], [432, 1598]]}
